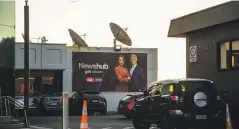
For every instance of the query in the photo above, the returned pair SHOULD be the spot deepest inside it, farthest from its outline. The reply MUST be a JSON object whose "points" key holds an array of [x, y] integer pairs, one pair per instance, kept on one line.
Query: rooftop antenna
{"points": [[23, 36], [120, 35], [84, 35], [43, 39]]}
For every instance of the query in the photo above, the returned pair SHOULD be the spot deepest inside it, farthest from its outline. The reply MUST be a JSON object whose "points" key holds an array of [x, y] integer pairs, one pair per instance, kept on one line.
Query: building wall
{"points": [[113, 97], [42, 56], [207, 63]]}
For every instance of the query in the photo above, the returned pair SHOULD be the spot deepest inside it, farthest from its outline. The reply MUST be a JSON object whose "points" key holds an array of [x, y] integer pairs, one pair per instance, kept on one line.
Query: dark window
{"points": [[168, 89], [192, 86], [229, 55]]}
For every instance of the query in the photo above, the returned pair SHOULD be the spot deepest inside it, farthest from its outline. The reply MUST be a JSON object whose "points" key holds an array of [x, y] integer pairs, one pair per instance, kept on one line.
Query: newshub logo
{"points": [[93, 66]]}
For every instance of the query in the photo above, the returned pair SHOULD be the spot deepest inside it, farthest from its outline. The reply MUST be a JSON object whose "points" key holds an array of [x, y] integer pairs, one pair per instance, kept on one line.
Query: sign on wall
{"points": [[193, 54], [109, 72]]}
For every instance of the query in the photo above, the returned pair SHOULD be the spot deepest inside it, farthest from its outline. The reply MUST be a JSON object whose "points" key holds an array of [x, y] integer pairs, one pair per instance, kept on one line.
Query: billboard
{"points": [[109, 72]]}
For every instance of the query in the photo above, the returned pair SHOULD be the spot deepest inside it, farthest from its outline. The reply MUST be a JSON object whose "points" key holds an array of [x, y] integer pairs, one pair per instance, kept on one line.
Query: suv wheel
{"points": [[140, 124]]}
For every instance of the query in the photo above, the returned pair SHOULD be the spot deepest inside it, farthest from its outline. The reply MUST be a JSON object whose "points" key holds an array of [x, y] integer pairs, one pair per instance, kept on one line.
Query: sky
{"points": [[147, 22]]}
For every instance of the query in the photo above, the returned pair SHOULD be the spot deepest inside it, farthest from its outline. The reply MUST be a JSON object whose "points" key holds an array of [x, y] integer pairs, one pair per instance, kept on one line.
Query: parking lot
{"points": [[95, 122]]}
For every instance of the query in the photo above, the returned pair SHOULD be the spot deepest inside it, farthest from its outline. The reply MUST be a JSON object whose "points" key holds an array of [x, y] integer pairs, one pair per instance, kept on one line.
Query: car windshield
{"points": [[54, 97], [127, 97], [92, 93]]}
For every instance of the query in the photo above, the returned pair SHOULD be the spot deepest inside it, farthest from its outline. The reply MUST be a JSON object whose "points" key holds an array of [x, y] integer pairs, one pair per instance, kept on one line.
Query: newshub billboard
{"points": [[109, 72]]}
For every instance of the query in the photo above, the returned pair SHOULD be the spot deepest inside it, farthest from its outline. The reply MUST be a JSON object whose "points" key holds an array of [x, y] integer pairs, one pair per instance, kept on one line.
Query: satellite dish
{"points": [[77, 39], [120, 35]]}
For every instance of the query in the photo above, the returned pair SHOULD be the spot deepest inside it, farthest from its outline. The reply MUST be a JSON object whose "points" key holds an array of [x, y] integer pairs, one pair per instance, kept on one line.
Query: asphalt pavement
{"points": [[94, 122]]}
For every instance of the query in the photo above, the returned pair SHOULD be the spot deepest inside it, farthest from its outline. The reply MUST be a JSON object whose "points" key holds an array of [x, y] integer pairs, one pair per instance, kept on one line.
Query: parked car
{"points": [[96, 102], [127, 103], [51, 102], [180, 103]]}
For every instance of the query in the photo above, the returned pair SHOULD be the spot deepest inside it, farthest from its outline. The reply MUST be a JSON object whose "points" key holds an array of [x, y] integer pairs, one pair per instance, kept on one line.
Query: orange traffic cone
{"points": [[84, 117], [228, 117]]}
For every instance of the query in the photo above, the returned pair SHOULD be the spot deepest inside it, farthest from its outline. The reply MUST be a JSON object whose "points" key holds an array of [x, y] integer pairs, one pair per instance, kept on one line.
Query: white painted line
{"points": [[37, 127], [128, 128], [108, 128]]}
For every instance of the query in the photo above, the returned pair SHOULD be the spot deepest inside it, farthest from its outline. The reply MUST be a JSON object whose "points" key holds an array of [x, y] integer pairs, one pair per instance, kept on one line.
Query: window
{"points": [[229, 55], [167, 89], [158, 90]]}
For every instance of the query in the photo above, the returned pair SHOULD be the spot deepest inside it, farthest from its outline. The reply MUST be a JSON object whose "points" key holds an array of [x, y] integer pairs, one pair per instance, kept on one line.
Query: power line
{"points": [[7, 25]]}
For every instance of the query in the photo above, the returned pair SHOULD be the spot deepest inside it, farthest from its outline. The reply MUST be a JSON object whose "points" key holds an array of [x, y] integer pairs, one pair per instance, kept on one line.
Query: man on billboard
{"points": [[137, 75]]}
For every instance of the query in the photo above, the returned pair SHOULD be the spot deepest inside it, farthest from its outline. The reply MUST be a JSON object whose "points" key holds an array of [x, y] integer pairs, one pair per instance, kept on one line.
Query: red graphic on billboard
{"points": [[90, 79]]}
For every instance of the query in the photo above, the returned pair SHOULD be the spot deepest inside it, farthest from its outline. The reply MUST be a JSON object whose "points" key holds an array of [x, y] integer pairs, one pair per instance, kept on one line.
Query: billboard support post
{"points": [[65, 111]]}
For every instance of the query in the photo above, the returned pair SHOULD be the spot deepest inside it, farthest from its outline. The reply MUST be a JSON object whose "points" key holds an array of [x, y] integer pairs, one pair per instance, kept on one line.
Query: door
{"points": [[167, 91], [155, 100]]}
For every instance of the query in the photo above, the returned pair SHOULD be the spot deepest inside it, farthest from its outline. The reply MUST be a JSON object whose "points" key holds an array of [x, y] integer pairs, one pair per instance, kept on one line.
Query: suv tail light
{"points": [[131, 104], [174, 98]]}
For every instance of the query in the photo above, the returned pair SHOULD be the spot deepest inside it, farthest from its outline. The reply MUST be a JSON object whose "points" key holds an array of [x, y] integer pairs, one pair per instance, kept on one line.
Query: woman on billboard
{"points": [[122, 75]]}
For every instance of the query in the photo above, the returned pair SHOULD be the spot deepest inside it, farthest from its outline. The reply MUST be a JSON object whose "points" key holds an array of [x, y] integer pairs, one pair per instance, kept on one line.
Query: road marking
{"points": [[152, 127], [108, 128], [128, 128], [37, 127]]}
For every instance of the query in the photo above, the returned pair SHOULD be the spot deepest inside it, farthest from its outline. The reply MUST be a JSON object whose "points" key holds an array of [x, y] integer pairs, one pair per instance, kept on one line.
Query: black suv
{"points": [[181, 104]]}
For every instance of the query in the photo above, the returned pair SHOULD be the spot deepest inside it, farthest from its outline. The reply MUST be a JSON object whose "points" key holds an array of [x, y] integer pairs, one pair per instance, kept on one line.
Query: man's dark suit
{"points": [[137, 80]]}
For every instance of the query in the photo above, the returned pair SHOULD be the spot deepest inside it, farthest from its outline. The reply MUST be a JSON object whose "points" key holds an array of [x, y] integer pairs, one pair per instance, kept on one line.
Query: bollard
{"points": [[65, 111]]}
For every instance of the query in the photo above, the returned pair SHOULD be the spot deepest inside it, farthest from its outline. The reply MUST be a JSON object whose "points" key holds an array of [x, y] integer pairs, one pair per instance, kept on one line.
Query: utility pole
{"points": [[26, 63]]}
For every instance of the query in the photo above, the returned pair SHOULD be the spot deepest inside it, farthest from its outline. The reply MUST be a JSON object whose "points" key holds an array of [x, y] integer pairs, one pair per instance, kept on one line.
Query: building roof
{"points": [[212, 16]]}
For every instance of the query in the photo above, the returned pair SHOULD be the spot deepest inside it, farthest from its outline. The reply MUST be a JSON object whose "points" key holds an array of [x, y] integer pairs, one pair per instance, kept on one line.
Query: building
{"points": [[212, 46]]}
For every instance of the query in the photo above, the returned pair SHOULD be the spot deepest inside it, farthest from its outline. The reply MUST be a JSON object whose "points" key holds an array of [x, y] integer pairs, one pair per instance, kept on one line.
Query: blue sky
{"points": [[147, 22]]}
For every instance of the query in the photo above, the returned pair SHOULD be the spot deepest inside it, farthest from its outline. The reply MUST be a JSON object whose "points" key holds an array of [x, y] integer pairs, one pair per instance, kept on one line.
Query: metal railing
{"points": [[9, 105]]}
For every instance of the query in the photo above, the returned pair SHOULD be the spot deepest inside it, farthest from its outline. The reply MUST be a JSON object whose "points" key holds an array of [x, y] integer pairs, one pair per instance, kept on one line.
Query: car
{"points": [[96, 103], [127, 103], [51, 102], [180, 103]]}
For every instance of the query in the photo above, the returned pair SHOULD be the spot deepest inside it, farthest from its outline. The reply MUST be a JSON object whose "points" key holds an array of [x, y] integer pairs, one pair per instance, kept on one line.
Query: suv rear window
{"points": [[192, 86]]}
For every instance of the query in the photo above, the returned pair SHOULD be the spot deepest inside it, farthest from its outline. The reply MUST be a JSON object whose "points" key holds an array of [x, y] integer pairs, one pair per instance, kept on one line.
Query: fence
{"points": [[9, 105]]}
